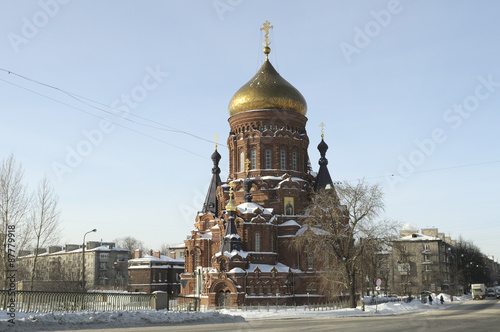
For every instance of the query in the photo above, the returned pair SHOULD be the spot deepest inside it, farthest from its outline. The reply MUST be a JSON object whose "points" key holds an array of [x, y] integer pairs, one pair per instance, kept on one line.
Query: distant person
{"points": [[441, 299], [430, 299]]}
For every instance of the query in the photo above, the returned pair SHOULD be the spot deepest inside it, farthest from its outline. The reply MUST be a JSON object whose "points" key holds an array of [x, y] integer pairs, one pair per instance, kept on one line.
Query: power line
{"points": [[79, 98], [97, 116], [445, 168]]}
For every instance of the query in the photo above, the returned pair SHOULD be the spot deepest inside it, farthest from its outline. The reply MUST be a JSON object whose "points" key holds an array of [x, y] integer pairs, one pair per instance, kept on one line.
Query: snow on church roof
{"points": [[250, 207], [290, 223], [231, 236], [316, 231], [266, 268]]}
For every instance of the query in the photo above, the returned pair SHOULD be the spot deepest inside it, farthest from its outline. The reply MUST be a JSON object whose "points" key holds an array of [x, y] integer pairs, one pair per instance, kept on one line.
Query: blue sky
{"points": [[409, 91]]}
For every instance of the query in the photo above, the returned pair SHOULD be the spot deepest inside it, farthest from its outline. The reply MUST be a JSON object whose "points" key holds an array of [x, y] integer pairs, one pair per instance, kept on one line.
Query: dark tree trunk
{"points": [[352, 290]]}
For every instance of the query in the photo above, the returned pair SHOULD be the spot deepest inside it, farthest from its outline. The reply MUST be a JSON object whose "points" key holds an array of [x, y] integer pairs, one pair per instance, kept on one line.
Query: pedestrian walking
{"points": [[430, 299], [441, 299]]}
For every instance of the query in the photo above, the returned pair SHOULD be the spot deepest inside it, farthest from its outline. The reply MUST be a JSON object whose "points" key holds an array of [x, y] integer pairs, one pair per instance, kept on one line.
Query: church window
{"points": [[252, 290], [253, 159], [277, 289], [310, 260], [283, 160], [242, 161], [261, 290], [207, 225], [265, 127], [223, 265], [257, 241], [268, 159], [196, 260], [294, 161], [269, 290]]}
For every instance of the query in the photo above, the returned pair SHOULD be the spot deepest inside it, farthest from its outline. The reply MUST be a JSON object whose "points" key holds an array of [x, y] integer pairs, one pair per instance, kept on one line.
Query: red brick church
{"points": [[239, 251]]}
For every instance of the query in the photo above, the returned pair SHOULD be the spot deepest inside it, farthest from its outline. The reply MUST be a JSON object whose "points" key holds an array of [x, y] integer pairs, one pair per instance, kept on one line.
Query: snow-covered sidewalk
{"points": [[117, 319]]}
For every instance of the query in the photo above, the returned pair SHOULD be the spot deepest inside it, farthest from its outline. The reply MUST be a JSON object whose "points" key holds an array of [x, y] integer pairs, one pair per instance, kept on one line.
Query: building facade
{"points": [[154, 272], [61, 268], [422, 262], [240, 250]]}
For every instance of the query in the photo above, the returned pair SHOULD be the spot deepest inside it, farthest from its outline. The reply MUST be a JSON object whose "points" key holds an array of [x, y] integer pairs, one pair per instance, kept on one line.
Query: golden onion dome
{"points": [[267, 90]]}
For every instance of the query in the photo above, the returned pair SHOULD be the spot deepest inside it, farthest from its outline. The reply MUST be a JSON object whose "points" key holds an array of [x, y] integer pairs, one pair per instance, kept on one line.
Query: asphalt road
{"points": [[470, 316]]}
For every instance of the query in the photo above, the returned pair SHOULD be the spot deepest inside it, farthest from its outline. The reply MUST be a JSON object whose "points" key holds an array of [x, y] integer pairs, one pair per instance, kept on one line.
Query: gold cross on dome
{"points": [[266, 28], [216, 136], [231, 184], [247, 165], [322, 125]]}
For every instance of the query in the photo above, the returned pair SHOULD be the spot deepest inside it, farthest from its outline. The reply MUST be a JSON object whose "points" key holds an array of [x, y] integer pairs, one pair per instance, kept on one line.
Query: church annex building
{"points": [[239, 251]]}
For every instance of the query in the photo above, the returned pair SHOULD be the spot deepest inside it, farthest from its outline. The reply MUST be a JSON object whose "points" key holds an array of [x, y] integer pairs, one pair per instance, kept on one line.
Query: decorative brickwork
{"points": [[242, 253]]}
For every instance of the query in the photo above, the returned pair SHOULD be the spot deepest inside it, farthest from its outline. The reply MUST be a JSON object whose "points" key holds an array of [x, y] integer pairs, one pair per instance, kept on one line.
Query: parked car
{"points": [[497, 292], [490, 292]]}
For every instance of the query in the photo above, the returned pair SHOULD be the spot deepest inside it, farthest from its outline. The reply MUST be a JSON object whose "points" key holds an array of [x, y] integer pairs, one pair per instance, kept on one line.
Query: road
{"points": [[469, 316]]}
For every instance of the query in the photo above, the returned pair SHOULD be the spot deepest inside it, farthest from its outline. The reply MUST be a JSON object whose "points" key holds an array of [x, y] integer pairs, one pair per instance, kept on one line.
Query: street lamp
{"points": [[83, 258]]}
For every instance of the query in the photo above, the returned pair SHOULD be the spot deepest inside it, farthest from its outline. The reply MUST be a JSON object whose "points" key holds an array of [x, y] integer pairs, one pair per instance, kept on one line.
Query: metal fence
{"points": [[37, 301]]}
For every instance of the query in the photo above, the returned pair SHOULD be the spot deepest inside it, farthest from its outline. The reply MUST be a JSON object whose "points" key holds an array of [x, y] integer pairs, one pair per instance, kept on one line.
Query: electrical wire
{"points": [[115, 123], [79, 98]]}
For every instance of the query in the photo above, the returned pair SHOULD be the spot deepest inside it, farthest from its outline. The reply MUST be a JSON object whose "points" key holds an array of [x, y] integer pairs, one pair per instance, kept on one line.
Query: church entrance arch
{"points": [[224, 299]]}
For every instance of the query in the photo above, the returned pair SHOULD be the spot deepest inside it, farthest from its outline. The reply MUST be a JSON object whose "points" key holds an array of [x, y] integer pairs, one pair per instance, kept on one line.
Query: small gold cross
{"points": [[216, 136], [322, 125], [266, 28], [247, 165]]}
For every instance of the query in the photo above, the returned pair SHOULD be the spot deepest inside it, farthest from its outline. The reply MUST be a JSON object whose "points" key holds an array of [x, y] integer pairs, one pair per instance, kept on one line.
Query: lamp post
{"points": [[83, 258]]}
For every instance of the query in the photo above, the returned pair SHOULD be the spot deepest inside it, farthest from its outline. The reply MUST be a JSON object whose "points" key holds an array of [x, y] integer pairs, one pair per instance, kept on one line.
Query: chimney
{"points": [[53, 249], [172, 254], [150, 252], [430, 232], [157, 254], [137, 253]]}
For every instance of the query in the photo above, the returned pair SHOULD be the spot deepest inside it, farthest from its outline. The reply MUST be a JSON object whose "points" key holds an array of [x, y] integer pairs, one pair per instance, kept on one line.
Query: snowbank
{"points": [[118, 319], [111, 319]]}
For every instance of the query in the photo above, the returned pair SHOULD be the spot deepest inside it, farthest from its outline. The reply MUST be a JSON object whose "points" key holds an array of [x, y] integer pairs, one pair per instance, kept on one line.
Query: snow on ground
{"points": [[117, 319]]}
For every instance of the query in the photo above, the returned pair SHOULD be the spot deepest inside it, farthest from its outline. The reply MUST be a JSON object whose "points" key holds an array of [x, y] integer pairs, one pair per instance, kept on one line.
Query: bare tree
{"points": [[165, 249], [44, 220], [341, 226], [13, 209], [130, 243]]}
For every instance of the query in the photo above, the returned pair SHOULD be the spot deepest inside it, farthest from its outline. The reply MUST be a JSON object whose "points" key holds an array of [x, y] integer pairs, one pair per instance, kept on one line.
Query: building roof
{"points": [[162, 259], [419, 237], [267, 90]]}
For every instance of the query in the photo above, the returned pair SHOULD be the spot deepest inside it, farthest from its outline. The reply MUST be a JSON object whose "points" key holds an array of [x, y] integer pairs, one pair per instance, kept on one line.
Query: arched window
{"points": [[223, 265], [268, 159], [242, 161], [257, 241], [283, 160], [294, 161], [253, 159]]}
